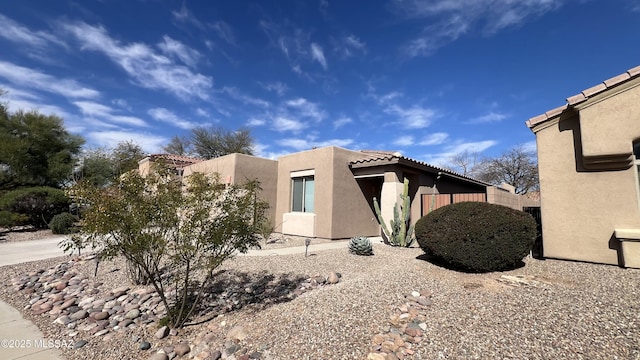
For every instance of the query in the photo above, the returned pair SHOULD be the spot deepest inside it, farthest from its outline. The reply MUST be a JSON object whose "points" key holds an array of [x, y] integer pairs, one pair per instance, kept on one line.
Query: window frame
{"points": [[303, 194], [636, 165], [306, 179]]}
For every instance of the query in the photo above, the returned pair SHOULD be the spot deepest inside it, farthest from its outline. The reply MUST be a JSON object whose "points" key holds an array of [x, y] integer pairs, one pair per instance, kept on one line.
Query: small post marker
{"points": [[307, 242]]}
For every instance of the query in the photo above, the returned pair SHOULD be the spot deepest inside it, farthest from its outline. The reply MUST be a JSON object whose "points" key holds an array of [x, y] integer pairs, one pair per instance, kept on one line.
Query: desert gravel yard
{"points": [[559, 310]]}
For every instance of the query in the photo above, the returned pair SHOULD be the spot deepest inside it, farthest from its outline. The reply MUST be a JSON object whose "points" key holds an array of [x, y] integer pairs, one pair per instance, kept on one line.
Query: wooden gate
{"points": [[431, 202]]}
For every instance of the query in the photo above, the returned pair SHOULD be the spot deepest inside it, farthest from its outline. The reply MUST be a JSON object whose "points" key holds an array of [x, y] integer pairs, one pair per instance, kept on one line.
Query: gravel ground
{"points": [[571, 311], [23, 234]]}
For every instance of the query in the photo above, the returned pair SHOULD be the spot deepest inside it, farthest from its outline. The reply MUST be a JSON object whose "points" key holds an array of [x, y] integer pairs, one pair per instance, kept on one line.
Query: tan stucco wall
{"points": [[496, 195], [144, 166], [581, 209], [240, 168], [340, 208], [613, 115]]}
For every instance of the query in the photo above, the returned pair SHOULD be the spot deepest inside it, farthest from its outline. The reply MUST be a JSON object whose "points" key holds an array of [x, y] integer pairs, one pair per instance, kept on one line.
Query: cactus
{"points": [[401, 233], [360, 245]]}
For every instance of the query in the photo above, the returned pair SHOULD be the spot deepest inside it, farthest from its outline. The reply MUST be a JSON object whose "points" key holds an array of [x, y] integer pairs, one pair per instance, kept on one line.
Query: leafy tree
{"points": [[179, 145], [209, 143], [100, 166], [34, 206], [35, 149], [126, 156], [96, 167], [173, 236], [516, 167]]}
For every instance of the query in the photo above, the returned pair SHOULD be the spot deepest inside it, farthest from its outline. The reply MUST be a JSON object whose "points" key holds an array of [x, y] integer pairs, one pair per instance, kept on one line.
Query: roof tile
{"points": [[537, 119], [594, 90], [617, 80], [634, 71], [555, 112], [575, 99]]}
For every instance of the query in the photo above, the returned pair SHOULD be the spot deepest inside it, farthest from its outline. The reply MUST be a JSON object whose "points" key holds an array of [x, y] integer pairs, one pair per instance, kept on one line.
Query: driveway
{"points": [[24, 251]]}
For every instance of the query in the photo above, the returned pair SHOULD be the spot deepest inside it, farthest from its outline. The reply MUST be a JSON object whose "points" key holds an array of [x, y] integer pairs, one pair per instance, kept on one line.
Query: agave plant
{"points": [[360, 245]]}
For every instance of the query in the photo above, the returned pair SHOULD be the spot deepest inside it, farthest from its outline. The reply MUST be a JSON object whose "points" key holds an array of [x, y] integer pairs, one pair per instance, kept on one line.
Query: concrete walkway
{"points": [[21, 339], [25, 251]]}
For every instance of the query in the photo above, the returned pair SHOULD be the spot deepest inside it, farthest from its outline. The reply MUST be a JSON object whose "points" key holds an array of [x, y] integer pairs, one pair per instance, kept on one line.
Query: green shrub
{"points": [[477, 237], [35, 205], [62, 223], [9, 219], [360, 245]]}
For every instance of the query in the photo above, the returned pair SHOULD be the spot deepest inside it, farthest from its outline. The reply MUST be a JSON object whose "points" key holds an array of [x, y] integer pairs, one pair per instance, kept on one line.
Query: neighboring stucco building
{"points": [[328, 192], [589, 159]]}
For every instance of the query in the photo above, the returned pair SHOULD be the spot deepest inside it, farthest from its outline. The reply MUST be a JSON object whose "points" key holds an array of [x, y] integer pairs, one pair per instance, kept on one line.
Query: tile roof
{"points": [[396, 157], [176, 160], [585, 95]]}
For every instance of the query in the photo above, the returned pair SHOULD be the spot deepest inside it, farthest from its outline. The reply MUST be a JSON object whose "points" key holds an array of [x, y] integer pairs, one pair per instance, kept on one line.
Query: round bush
{"points": [[35, 205], [62, 223], [477, 237]]}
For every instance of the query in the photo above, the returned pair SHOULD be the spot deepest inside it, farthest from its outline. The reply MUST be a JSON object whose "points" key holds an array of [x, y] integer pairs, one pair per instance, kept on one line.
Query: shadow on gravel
{"points": [[443, 264], [234, 290]]}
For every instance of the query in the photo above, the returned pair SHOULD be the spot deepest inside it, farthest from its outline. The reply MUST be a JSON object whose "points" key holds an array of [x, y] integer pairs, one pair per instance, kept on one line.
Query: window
{"points": [[302, 194], [636, 154]]}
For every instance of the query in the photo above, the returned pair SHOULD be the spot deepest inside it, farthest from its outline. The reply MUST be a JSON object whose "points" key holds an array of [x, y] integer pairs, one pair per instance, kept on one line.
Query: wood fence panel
{"points": [[430, 204], [469, 197]]}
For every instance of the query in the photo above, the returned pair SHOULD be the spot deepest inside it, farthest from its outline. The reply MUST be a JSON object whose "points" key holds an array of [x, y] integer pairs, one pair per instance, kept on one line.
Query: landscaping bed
{"points": [[391, 305]]}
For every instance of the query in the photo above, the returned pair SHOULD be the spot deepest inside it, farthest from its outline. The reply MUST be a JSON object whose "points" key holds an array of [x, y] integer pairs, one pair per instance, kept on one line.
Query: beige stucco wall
{"points": [[581, 209], [240, 168], [341, 211], [611, 115], [496, 195]]}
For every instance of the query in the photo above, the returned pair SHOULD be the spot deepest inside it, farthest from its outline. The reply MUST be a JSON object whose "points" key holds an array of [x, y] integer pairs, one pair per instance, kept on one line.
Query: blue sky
{"points": [[427, 78]]}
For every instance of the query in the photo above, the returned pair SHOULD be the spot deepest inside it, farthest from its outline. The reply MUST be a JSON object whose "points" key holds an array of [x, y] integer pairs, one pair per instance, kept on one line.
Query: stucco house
{"points": [[328, 192], [589, 160]]}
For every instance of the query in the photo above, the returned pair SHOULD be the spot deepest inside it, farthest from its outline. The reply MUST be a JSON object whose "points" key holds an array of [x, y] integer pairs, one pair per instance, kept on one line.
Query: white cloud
{"points": [[434, 139], [404, 141], [20, 34], [149, 143], [286, 124], [234, 93], [301, 107], [295, 45], [101, 111], [530, 146], [304, 144], [224, 31], [277, 87], [185, 16], [256, 122], [164, 115], [348, 46], [121, 103], [31, 78], [450, 19], [491, 117], [415, 117], [342, 121], [318, 55], [459, 147], [176, 49], [148, 68], [16, 103], [261, 151], [202, 112]]}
